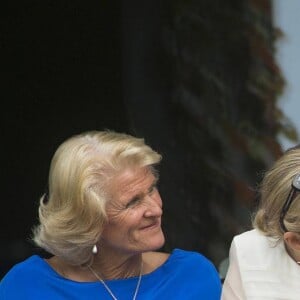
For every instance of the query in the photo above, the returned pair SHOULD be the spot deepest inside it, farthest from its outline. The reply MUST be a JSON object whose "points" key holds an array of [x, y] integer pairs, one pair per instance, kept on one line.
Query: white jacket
{"points": [[260, 269]]}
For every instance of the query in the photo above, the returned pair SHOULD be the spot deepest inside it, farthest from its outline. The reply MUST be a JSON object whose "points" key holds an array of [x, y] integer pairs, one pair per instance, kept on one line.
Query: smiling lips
{"points": [[151, 225]]}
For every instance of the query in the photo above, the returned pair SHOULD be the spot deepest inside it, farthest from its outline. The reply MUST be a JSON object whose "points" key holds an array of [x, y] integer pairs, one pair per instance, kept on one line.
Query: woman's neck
{"points": [[115, 266], [106, 266]]}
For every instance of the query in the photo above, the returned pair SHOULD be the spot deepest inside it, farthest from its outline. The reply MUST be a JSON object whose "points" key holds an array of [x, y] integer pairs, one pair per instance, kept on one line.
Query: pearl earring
{"points": [[95, 249]]}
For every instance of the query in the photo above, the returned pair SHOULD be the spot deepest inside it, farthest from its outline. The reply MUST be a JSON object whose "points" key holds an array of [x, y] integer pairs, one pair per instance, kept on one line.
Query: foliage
{"points": [[226, 86]]}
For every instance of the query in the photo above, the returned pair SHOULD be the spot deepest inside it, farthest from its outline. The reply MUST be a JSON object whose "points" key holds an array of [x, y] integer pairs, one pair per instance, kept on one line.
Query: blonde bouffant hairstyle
{"points": [[72, 215], [274, 191]]}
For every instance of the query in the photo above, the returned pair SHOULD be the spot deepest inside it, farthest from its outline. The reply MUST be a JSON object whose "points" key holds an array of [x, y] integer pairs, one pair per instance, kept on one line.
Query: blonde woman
{"points": [[264, 263], [101, 225]]}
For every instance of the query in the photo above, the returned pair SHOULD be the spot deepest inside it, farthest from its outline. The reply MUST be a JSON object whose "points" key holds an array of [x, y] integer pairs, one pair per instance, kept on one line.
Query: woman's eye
{"points": [[133, 202]]}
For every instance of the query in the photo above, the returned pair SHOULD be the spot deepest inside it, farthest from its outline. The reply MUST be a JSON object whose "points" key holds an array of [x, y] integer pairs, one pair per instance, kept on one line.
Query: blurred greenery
{"points": [[226, 87]]}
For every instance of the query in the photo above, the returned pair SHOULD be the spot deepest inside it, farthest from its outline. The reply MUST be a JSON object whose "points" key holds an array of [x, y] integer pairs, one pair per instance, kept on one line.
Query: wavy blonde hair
{"points": [[274, 191], [73, 214]]}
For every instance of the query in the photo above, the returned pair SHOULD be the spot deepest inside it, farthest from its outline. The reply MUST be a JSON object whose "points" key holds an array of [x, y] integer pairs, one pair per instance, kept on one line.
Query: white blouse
{"points": [[260, 269]]}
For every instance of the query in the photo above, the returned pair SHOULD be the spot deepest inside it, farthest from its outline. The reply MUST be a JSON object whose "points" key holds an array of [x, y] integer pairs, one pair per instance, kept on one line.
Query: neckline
{"points": [[49, 268]]}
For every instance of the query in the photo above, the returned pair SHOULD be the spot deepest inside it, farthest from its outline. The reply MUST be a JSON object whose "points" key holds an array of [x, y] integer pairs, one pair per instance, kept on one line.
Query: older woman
{"points": [[264, 262], [101, 223]]}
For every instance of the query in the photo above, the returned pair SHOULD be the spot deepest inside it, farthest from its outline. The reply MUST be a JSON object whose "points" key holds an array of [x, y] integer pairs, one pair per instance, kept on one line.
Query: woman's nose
{"points": [[154, 207]]}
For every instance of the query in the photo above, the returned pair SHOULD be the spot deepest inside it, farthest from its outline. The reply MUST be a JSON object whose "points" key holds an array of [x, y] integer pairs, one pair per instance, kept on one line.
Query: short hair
{"points": [[274, 191], [72, 215]]}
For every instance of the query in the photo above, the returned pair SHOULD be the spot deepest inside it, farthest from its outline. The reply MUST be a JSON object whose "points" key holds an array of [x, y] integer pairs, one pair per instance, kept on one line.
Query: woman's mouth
{"points": [[152, 225]]}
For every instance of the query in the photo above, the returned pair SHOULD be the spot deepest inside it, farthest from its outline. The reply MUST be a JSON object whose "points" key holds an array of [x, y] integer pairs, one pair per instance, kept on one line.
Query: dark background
{"points": [[60, 74], [197, 79], [68, 67]]}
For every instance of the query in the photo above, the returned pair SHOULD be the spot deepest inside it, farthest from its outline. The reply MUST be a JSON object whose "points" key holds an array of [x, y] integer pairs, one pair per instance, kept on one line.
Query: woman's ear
{"points": [[292, 239]]}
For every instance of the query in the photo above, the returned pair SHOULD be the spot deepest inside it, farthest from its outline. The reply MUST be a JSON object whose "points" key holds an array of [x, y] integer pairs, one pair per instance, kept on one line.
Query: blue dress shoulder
{"points": [[185, 275]]}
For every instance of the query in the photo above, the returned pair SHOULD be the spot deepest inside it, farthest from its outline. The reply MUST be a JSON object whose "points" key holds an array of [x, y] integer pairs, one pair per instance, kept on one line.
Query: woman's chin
{"points": [[157, 243]]}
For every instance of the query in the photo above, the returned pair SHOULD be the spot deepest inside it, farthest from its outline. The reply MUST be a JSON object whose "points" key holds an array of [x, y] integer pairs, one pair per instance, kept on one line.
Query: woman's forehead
{"points": [[132, 180]]}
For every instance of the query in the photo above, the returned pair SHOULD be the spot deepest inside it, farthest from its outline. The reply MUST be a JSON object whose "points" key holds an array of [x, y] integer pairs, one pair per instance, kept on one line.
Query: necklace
{"points": [[110, 291]]}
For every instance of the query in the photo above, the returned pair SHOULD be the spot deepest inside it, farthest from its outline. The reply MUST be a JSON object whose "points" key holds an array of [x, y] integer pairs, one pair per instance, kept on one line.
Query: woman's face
{"points": [[134, 213]]}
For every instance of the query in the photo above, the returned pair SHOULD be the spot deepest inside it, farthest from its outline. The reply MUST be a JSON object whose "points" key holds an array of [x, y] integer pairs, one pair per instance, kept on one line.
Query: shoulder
{"points": [[253, 248], [250, 236], [21, 272], [192, 263], [193, 272], [24, 265], [188, 255], [252, 239], [196, 268], [178, 258]]}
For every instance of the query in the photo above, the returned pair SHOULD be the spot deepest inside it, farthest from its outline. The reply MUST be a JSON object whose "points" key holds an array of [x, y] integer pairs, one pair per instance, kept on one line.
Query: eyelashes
{"points": [[133, 202], [137, 199]]}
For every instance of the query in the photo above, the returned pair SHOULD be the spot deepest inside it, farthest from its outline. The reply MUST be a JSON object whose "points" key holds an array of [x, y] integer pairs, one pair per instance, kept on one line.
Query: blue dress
{"points": [[184, 275]]}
